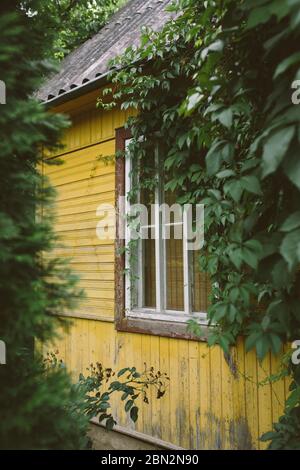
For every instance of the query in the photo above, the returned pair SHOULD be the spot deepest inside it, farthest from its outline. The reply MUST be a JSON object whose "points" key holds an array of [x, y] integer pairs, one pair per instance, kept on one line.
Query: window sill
{"points": [[137, 322], [167, 316]]}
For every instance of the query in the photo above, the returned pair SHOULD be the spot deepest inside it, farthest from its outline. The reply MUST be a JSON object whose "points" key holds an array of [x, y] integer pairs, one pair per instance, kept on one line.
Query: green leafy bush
{"points": [[214, 92], [99, 386], [35, 407], [69, 23]]}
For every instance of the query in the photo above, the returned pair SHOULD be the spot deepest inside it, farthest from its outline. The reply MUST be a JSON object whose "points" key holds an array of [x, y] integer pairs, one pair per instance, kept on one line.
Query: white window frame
{"points": [[160, 313]]}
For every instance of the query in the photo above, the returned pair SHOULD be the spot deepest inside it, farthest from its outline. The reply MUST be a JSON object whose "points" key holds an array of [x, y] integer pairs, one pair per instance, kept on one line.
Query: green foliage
{"points": [[101, 383], [286, 433], [37, 407], [33, 288], [68, 23], [216, 101]]}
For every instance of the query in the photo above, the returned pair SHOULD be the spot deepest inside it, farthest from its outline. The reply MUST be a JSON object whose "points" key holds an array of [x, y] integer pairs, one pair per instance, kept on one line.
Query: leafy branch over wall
{"points": [[213, 90]]}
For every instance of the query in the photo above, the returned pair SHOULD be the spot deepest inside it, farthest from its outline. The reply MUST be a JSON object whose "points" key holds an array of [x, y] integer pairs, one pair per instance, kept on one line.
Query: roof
{"points": [[90, 60]]}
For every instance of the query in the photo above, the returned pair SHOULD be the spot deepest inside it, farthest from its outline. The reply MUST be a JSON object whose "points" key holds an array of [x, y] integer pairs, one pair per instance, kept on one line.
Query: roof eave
{"points": [[77, 92]]}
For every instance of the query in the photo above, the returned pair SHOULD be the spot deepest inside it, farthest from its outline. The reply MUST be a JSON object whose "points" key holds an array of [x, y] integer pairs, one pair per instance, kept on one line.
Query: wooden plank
{"points": [[215, 414], [146, 358], [81, 163], [129, 362], [81, 189], [228, 377], [108, 124], [165, 405], [155, 403], [95, 310], [252, 396], [205, 397], [91, 202], [183, 385], [138, 363], [264, 399], [96, 120], [194, 395], [242, 434], [70, 251], [174, 392], [277, 388], [120, 361]]}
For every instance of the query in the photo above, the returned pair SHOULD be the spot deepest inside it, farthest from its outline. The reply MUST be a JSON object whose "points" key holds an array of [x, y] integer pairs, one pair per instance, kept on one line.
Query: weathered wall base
{"points": [[123, 439]]}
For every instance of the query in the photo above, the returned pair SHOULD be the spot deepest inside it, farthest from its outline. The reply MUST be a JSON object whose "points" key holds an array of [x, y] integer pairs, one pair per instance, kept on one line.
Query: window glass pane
{"points": [[201, 286], [147, 197], [149, 273], [174, 274], [174, 263]]}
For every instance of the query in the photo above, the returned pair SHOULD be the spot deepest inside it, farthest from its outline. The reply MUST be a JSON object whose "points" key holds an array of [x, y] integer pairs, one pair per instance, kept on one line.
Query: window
{"points": [[162, 284]]}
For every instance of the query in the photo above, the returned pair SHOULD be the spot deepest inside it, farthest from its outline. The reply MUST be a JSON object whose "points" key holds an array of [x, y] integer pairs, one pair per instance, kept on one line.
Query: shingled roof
{"points": [[90, 61]]}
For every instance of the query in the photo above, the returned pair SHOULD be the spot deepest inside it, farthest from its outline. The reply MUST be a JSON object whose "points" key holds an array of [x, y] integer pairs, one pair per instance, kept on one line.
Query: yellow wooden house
{"points": [[213, 401]]}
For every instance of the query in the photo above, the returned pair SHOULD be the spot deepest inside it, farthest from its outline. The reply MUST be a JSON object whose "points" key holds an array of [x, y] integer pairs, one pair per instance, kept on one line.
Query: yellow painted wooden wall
{"points": [[212, 402]]}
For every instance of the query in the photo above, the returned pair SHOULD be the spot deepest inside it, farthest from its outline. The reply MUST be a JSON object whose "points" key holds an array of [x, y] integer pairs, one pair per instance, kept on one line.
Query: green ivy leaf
{"points": [[258, 16], [251, 184], [275, 148], [128, 405], [215, 193], [104, 406], [292, 222], [276, 343], [265, 322], [220, 311], [134, 413], [193, 101], [122, 371], [249, 257], [286, 63], [281, 275], [216, 46], [105, 396], [291, 166], [267, 436], [251, 340], [227, 152], [110, 423], [124, 396], [289, 248], [102, 417], [213, 159], [225, 117], [262, 346], [236, 258], [235, 189], [225, 174], [224, 343], [293, 399]]}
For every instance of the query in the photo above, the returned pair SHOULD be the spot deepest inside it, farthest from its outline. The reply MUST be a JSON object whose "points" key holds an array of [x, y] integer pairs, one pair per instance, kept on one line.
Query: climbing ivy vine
{"points": [[214, 93]]}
